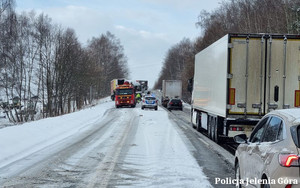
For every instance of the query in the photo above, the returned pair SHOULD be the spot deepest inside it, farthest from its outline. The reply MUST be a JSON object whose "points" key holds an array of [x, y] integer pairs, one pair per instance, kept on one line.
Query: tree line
{"points": [[45, 71], [232, 16]]}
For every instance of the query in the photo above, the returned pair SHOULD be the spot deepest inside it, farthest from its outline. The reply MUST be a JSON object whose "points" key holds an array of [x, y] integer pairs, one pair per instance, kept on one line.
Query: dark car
{"points": [[165, 101], [174, 104]]}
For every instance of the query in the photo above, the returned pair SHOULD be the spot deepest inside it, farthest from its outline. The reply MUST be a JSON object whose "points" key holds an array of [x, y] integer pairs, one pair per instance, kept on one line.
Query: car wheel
{"points": [[237, 175], [267, 185]]}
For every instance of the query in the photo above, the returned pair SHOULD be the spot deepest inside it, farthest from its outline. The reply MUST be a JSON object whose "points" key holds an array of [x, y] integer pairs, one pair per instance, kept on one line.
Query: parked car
{"points": [[165, 101], [270, 156], [174, 104], [149, 102]]}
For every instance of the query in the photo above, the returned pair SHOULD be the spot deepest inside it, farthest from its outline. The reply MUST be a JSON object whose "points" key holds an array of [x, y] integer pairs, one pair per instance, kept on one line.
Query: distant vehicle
{"points": [[175, 104], [143, 87], [170, 89], [113, 85], [271, 152], [242, 77], [149, 102], [125, 95]]}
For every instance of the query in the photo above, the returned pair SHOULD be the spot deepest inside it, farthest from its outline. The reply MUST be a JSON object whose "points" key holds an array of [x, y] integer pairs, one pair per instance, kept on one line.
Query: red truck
{"points": [[125, 95]]}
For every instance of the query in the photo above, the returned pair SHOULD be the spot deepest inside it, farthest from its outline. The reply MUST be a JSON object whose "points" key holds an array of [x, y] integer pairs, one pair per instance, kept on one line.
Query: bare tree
{"points": [[233, 16], [106, 54], [179, 61], [45, 71]]}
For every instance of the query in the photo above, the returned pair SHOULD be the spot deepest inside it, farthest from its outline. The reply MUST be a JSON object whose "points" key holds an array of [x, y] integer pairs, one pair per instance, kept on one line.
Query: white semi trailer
{"points": [[240, 78]]}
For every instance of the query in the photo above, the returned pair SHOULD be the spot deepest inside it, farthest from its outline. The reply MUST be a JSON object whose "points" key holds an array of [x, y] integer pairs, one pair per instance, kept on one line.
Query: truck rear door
{"points": [[246, 75], [283, 72]]}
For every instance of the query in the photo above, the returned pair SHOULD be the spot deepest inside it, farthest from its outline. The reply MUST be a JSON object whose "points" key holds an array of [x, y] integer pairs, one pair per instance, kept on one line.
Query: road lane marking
{"points": [[184, 127], [203, 141], [104, 171]]}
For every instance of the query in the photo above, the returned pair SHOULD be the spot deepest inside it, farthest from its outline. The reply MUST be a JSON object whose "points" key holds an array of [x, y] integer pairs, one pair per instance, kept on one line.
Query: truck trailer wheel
{"points": [[198, 122], [209, 127], [213, 128], [216, 130]]}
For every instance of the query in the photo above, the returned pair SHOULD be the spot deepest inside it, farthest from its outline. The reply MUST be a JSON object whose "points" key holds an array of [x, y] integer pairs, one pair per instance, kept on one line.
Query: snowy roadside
{"points": [[4, 122], [16, 142]]}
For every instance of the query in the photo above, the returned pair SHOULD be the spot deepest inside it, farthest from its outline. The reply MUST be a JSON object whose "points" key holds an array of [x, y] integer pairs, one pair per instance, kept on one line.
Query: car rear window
{"points": [[273, 131], [295, 131], [150, 98], [176, 100]]}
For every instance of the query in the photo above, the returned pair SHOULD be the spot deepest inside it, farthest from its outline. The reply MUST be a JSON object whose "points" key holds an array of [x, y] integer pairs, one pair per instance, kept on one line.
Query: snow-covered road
{"points": [[100, 147]]}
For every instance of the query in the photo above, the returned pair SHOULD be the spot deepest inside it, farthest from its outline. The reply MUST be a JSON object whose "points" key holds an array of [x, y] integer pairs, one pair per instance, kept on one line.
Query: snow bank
{"points": [[30, 137]]}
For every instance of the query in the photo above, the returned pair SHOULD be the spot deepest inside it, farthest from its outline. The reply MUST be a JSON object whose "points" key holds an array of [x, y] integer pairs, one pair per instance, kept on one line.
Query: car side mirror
{"points": [[240, 139]]}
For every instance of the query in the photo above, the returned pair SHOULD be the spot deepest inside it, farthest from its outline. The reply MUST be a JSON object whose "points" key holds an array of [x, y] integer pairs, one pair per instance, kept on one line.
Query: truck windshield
{"points": [[124, 91]]}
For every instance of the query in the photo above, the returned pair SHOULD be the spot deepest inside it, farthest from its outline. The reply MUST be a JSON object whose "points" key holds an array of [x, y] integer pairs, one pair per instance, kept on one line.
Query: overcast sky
{"points": [[146, 28]]}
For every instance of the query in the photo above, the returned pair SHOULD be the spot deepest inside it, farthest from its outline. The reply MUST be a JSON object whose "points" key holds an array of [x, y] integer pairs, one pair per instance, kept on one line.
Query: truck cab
{"points": [[125, 95]]}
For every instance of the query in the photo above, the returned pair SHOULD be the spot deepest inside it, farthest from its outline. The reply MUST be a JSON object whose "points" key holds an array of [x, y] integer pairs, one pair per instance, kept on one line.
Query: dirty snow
{"points": [[158, 148]]}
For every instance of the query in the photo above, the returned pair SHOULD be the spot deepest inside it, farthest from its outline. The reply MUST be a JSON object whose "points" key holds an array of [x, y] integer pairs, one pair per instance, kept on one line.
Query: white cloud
{"points": [[145, 51], [86, 22], [187, 4], [142, 33], [146, 28]]}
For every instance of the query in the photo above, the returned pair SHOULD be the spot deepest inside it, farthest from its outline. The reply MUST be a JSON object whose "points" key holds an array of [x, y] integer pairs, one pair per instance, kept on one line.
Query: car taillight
{"points": [[171, 103], [288, 186], [288, 160]]}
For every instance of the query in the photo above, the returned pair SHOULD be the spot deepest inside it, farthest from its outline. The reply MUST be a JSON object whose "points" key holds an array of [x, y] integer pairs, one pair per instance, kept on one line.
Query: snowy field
{"points": [[157, 156]]}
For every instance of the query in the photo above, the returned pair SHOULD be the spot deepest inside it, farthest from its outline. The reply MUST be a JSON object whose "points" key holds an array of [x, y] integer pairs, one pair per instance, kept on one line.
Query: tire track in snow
{"points": [[105, 169]]}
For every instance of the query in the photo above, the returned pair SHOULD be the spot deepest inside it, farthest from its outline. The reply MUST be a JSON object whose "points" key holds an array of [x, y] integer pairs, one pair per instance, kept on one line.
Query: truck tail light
{"points": [[231, 96], [232, 128], [288, 160], [297, 98]]}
